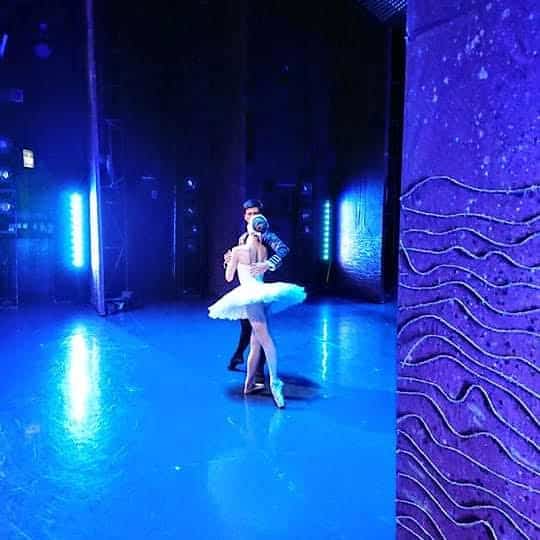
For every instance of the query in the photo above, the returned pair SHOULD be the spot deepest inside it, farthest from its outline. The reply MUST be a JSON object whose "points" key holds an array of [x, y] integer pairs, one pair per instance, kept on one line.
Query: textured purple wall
{"points": [[469, 295]]}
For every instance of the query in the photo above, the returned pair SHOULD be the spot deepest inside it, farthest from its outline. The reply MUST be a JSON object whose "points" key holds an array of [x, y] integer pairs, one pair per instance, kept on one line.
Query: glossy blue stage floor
{"points": [[130, 427]]}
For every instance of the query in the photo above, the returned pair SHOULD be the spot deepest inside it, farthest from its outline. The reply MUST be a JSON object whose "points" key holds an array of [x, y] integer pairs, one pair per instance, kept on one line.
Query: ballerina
{"points": [[255, 300]]}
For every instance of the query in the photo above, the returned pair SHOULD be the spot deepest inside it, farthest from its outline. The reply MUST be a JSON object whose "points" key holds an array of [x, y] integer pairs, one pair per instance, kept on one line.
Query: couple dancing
{"points": [[253, 301]]}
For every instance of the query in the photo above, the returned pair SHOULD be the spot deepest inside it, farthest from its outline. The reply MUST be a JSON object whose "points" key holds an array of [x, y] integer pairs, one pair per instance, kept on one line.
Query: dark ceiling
{"points": [[385, 10]]}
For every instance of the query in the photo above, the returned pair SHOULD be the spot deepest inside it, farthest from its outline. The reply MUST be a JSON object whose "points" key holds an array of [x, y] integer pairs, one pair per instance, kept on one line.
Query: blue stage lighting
{"points": [[28, 158], [190, 184], [324, 343], [3, 45], [95, 236], [82, 386], [360, 229], [346, 229], [326, 231], [76, 230]]}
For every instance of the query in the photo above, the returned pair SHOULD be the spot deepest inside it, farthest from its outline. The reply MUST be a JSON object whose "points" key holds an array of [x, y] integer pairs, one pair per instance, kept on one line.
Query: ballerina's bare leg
{"points": [[252, 365], [259, 324]]}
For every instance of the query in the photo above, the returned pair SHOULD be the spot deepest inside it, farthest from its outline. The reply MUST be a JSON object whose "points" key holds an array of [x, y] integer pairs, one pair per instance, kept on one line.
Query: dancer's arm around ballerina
{"points": [[231, 265]]}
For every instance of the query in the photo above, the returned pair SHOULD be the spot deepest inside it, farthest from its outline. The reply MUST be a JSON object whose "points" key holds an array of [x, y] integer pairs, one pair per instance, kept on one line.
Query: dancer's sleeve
{"points": [[280, 249]]}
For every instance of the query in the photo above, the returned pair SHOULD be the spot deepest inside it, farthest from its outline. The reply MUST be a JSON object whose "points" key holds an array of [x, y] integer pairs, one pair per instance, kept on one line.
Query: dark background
{"points": [[248, 100]]}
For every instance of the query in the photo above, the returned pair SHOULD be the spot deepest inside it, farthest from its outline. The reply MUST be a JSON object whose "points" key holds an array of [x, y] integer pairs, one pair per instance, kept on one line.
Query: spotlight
{"points": [[5, 207], [28, 158], [190, 184], [4, 174]]}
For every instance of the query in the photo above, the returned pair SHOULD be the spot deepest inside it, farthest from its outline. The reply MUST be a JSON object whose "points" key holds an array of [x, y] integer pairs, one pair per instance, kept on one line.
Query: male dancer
{"points": [[279, 251]]}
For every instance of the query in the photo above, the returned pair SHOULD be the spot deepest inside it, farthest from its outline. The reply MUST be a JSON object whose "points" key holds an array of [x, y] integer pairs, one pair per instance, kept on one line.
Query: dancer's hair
{"points": [[253, 203], [257, 226]]}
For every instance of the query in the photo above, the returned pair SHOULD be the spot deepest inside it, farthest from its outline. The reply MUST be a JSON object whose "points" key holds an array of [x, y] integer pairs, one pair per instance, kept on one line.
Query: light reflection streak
{"points": [[82, 386], [324, 343]]}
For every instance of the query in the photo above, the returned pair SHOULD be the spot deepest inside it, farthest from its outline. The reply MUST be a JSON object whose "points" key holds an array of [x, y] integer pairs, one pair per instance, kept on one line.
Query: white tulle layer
{"points": [[276, 296]]}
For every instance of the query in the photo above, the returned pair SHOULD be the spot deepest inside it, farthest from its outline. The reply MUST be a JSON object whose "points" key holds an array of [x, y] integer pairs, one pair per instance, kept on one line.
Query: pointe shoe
{"points": [[253, 388], [276, 387]]}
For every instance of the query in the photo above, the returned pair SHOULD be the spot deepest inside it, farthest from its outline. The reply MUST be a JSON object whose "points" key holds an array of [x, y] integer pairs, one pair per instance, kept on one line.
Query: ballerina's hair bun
{"points": [[258, 224]]}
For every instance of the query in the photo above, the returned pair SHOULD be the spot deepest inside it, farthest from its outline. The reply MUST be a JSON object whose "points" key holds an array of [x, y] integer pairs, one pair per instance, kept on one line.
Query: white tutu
{"points": [[276, 296]]}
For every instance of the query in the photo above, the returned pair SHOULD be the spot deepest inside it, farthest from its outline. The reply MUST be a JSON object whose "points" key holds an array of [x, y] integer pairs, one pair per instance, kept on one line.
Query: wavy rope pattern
{"points": [[400, 520], [477, 375], [464, 484], [502, 223], [423, 511], [484, 301], [468, 271], [527, 238], [485, 394], [458, 183], [482, 507], [475, 435], [471, 315], [486, 217], [474, 256], [460, 524], [464, 455], [477, 347], [418, 524]]}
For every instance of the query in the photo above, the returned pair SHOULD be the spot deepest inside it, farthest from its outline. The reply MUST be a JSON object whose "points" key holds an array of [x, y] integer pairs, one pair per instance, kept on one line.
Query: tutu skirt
{"points": [[275, 296]]}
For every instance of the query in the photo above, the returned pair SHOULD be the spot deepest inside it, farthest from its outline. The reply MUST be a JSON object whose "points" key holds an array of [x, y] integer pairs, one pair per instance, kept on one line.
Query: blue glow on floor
{"points": [[130, 427]]}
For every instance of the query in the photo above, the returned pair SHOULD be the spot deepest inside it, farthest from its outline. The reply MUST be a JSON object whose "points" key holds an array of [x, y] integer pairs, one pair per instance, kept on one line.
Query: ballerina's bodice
{"points": [[245, 277]]}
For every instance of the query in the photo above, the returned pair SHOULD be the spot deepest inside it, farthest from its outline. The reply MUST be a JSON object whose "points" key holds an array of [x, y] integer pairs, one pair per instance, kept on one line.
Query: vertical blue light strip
{"points": [[77, 230], [326, 231]]}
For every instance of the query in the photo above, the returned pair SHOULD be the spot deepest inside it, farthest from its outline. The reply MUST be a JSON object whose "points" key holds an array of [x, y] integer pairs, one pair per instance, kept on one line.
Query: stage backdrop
{"points": [[469, 295], [359, 131]]}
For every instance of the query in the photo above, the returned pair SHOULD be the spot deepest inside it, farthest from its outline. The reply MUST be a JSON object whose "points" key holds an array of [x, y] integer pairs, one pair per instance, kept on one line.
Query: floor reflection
{"points": [[131, 427], [80, 417], [324, 343], [250, 484], [82, 386]]}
